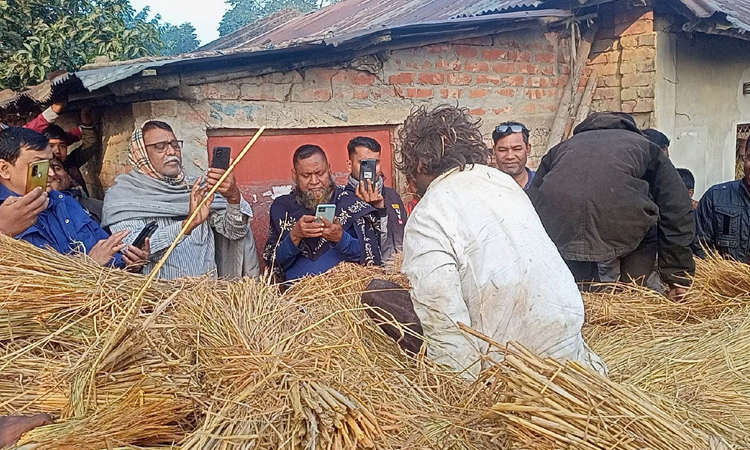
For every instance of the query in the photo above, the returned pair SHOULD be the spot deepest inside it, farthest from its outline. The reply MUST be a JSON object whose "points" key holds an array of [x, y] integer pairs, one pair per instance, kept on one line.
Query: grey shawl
{"points": [[135, 196]]}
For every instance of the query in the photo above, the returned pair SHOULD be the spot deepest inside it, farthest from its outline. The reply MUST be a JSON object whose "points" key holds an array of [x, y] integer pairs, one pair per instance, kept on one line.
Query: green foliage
{"points": [[243, 12], [38, 37], [178, 39]]}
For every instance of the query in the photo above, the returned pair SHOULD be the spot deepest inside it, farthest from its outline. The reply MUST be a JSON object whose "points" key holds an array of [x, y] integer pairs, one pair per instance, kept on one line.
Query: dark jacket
{"points": [[723, 220], [599, 192], [396, 213]]}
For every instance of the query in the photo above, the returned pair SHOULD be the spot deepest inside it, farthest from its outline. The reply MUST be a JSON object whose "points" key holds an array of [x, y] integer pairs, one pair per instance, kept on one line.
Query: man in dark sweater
{"points": [[384, 199], [608, 192]]}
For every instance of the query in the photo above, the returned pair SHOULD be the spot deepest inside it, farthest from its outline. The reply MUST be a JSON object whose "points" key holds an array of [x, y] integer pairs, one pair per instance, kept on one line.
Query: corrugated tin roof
{"points": [[737, 12]]}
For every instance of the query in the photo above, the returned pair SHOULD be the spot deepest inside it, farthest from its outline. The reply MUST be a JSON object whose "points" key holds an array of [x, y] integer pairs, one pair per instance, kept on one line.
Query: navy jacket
{"points": [[723, 220]]}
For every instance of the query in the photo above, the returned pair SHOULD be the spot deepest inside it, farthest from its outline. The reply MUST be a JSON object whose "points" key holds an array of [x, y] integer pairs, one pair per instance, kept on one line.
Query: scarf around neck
{"points": [[354, 183], [138, 158]]}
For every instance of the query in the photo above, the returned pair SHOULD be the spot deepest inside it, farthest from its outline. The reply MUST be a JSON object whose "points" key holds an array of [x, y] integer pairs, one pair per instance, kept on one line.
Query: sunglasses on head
{"points": [[513, 128]]}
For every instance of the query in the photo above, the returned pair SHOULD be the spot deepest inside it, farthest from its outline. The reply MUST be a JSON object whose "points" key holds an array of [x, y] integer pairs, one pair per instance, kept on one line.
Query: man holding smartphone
{"points": [[367, 182]]}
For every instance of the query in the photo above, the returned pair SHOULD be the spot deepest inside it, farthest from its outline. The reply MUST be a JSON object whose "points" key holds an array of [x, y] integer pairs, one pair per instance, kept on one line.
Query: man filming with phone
{"points": [[49, 218], [367, 182]]}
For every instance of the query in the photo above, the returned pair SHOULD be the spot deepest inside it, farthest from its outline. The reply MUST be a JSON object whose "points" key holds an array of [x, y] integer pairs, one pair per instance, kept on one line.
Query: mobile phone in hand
{"points": [[367, 171], [36, 175], [327, 211], [221, 156], [146, 232]]}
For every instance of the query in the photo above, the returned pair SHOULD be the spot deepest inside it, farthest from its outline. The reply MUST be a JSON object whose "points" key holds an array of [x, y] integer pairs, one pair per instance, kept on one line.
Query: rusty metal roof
{"points": [[737, 12]]}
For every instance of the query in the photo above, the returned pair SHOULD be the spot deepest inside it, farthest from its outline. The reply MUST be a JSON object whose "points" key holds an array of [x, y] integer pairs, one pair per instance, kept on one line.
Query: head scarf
{"points": [[138, 157]]}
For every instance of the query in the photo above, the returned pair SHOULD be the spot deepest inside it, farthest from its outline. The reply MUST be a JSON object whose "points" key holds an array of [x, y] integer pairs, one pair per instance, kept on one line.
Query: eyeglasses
{"points": [[161, 147], [513, 128]]}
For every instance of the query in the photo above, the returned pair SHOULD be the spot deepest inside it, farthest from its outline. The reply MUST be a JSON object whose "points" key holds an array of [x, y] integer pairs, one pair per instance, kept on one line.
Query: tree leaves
{"points": [[244, 12]]}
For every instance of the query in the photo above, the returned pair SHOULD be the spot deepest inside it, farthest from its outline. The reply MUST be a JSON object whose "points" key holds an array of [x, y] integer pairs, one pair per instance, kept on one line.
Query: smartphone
{"points": [[220, 158], [367, 170], [146, 232], [327, 211], [37, 175]]}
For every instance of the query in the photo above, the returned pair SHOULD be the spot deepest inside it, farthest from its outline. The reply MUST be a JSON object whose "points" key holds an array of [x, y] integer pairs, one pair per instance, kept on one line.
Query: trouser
{"points": [[636, 266], [391, 303]]}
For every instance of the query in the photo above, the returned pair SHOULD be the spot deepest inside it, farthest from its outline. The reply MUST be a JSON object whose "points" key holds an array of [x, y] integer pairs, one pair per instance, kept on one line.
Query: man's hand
{"points": [[135, 258], [228, 189], [332, 232], [12, 427], [369, 193], [18, 214], [197, 194], [104, 250], [677, 293], [59, 105], [306, 227]]}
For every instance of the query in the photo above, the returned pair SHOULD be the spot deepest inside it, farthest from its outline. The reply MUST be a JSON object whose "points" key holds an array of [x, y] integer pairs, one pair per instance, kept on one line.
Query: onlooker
{"points": [[658, 138], [300, 245], [59, 180], [476, 253], [608, 193], [512, 150], [63, 225], [689, 180], [217, 242], [723, 217], [75, 160], [387, 201]]}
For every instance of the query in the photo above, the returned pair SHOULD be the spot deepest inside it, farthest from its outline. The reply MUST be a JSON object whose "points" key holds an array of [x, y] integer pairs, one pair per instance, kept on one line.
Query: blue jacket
{"points": [[64, 226], [723, 220]]}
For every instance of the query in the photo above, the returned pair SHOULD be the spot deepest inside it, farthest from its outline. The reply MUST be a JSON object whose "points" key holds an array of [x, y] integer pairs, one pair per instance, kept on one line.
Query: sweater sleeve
{"points": [[232, 224]]}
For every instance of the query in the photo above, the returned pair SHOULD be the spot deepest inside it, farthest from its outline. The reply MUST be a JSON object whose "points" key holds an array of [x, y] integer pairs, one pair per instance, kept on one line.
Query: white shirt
{"points": [[476, 252]]}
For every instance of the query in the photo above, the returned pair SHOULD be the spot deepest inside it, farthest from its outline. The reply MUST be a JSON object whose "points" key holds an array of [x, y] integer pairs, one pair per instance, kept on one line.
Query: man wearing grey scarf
{"points": [[384, 199]]}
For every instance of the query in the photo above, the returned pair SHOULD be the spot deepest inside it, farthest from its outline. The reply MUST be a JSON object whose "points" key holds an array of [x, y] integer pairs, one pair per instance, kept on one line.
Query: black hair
{"points": [[14, 138], [156, 124], [307, 151], [657, 137], [55, 132], [687, 178], [363, 141], [496, 135], [440, 140]]}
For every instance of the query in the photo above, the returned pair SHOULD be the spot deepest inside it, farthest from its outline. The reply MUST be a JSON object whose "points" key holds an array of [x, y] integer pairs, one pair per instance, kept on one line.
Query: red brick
{"points": [[528, 68], [533, 94], [363, 79], [504, 67], [401, 78], [524, 56], [639, 27], [538, 82], [503, 110], [495, 53], [431, 78], [536, 46], [438, 48], [638, 54], [451, 93], [460, 79], [565, 69], [637, 79], [544, 57], [551, 93], [629, 41], [630, 16], [476, 66], [310, 95], [467, 51], [647, 40], [507, 92], [477, 112], [628, 107], [551, 107], [479, 93], [450, 65], [529, 108], [419, 93], [488, 79], [548, 70], [360, 94], [514, 81], [606, 93]]}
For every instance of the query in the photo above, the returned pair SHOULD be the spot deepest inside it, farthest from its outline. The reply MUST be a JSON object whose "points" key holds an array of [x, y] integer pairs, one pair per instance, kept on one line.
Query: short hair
{"points": [[14, 138], [440, 140], [307, 151], [687, 178], [55, 132], [363, 141], [657, 137], [496, 135], [156, 124]]}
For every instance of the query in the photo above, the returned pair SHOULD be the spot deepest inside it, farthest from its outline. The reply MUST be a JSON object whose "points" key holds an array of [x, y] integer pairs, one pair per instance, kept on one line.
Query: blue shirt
{"points": [[297, 266], [531, 178], [64, 226]]}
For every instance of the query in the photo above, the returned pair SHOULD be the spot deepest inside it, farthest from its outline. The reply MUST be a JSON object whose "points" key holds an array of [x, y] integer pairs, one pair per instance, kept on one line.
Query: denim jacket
{"points": [[723, 220]]}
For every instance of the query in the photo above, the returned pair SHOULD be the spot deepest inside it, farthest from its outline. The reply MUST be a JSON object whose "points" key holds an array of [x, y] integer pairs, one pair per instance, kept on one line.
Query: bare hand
{"points": [[332, 232], [197, 194], [228, 189], [12, 427], [306, 227], [369, 193], [105, 249], [677, 293], [135, 258], [18, 214], [59, 105]]}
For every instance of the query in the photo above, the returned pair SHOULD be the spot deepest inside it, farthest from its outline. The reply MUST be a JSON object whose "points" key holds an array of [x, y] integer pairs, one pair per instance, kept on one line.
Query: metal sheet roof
{"points": [[737, 12]]}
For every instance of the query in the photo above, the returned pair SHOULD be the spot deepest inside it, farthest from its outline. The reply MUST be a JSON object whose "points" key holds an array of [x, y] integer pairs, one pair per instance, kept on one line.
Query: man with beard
{"points": [[299, 244], [475, 252], [217, 242]]}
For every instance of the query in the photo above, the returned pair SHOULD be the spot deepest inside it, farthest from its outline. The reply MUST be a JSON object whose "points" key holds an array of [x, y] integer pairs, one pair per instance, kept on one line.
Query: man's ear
{"points": [[349, 165], [691, 192], [5, 168], [528, 150]]}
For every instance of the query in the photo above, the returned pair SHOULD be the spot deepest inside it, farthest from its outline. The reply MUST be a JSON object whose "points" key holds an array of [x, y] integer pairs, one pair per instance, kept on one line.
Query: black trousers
{"points": [[636, 266]]}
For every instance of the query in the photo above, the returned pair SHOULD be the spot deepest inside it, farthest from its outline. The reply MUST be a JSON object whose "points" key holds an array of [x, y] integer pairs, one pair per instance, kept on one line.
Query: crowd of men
{"points": [[504, 250]]}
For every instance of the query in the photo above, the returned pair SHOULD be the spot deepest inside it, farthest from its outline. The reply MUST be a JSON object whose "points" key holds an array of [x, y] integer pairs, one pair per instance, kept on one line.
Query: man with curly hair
{"points": [[475, 252]]}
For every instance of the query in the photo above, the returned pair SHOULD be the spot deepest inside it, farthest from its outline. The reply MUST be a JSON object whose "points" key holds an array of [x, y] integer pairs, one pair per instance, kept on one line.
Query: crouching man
{"points": [[217, 243], [475, 252]]}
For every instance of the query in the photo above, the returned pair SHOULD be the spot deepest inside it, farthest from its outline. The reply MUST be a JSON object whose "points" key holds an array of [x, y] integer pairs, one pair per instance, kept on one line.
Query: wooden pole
{"points": [[588, 95]]}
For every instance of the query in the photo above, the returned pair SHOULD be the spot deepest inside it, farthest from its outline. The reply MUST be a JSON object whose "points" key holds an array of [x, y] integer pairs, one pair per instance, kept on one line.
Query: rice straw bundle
{"points": [[724, 281]]}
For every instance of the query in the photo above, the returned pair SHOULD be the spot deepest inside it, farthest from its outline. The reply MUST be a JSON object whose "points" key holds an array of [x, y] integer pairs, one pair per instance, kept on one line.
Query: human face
{"points": [[58, 178], [164, 151], [512, 153], [59, 148], [313, 175], [13, 176], [355, 161]]}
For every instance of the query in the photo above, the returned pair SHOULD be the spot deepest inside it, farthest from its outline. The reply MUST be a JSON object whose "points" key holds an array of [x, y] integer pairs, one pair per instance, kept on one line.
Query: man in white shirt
{"points": [[475, 252]]}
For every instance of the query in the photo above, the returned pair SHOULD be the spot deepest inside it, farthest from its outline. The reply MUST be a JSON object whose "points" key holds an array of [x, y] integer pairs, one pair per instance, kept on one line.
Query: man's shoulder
{"points": [[283, 201], [723, 188]]}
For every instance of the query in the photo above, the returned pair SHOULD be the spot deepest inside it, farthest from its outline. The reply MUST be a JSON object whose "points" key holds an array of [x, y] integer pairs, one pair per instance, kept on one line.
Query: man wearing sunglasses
{"points": [[512, 150]]}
